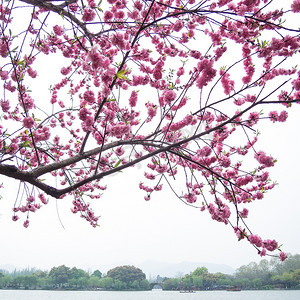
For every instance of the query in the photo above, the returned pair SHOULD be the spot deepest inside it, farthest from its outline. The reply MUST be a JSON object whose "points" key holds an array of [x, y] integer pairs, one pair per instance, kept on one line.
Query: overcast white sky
{"points": [[164, 229]]}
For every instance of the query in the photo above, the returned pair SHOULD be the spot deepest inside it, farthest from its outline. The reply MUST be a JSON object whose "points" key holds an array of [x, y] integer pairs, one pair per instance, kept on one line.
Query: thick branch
{"points": [[59, 9]]}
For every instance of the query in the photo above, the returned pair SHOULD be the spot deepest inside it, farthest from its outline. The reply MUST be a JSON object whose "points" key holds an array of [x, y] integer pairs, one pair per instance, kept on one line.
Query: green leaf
{"points": [[121, 76], [117, 164]]}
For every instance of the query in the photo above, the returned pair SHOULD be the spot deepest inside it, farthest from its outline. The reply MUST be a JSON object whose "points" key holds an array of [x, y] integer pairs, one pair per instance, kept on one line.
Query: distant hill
{"points": [[154, 268]]}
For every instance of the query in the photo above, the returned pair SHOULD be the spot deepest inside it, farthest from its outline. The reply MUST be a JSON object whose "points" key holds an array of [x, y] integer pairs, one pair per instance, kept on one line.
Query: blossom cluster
{"points": [[139, 88]]}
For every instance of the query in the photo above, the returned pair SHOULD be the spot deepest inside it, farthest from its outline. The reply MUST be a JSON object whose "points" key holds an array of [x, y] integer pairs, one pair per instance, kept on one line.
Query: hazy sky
{"points": [[164, 229]]}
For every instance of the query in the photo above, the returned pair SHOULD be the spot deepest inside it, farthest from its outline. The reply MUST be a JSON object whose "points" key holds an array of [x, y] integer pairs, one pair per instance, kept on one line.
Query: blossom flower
{"points": [[255, 240], [270, 245], [228, 85], [15, 218], [263, 159], [190, 198], [207, 73], [118, 40], [161, 168], [28, 122], [296, 6], [119, 151], [253, 118], [108, 15], [84, 113], [273, 115], [169, 96], [88, 15], [3, 74], [283, 116], [89, 96], [3, 47], [118, 130], [263, 252], [58, 30], [205, 151], [65, 71], [296, 83], [4, 105], [224, 161], [133, 99], [149, 176], [31, 72], [282, 255], [178, 25], [244, 213]]}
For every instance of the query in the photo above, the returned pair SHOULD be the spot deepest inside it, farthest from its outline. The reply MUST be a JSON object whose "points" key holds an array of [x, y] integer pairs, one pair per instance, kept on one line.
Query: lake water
{"points": [[149, 295]]}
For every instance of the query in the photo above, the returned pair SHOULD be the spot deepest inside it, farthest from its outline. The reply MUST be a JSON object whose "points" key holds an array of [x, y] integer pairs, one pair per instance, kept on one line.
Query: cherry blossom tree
{"points": [[179, 87]]}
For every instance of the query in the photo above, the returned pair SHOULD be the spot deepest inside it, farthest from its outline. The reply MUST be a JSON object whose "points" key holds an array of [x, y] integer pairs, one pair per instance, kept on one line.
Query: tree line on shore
{"points": [[263, 275]]}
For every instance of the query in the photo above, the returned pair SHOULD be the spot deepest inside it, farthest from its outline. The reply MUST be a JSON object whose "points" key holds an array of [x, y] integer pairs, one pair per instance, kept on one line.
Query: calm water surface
{"points": [[149, 295]]}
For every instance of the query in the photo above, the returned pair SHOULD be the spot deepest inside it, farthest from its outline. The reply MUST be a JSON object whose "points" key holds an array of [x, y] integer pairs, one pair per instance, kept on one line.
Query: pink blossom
{"points": [[108, 16], [152, 110], [207, 73], [296, 83], [149, 176], [42, 134], [253, 118], [244, 213], [224, 161], [58, 30], [282, 255], [178, 25], [65, 71], [190, 198], [239, 233], [97, 60], [3, 74], [157, 74], [26, 223], [92, 3], [270, 245], [296, 6], [84, 113], [120, 151], [118, 130], [31, 72], [3, 47], [161, 168], [15, 218], [263, 252], [169, 96], [28, 122], [283, 116], [89, 97], [88, 15], [133, 99], [205, 151], [263, 159], [118, 40], [273, 115], [223, 2], [5, 105], [259, 195], [227, 84], [255, 240]]}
